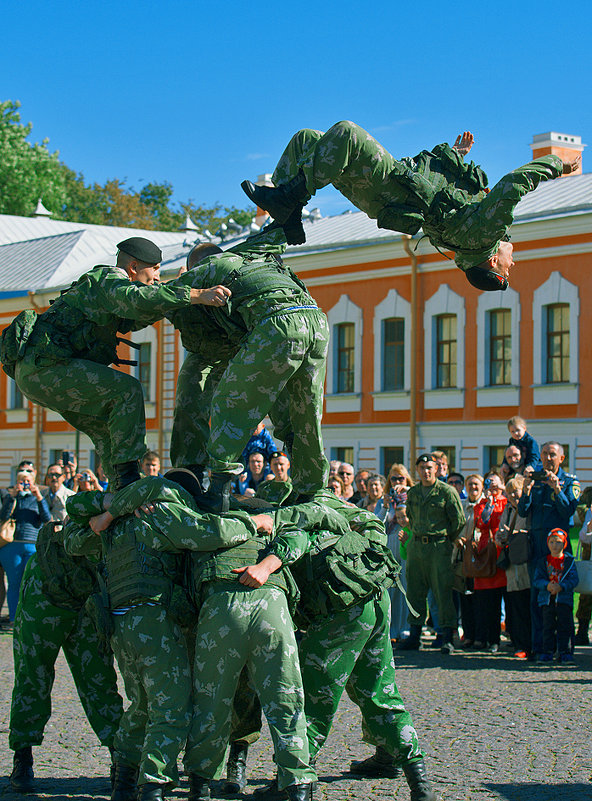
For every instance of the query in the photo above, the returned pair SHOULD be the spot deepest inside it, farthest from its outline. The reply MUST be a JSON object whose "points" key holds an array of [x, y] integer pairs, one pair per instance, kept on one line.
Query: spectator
{"points": [[150, 464], [474, 490], [334, 465], [346, 474], [398, 482], [376, 485], [436, 519], [29, 509], [58, 494], [457, 482], [489, 591], [441, 461], [280, 487], [361, 481], [584, 610], [555, 577], [261, 441], [258, 471], [102, 477], [518, 581], [513, 462], [335, 484], [70, 469], [528, 446], [86, 481], [548, 501], [398, 533]]}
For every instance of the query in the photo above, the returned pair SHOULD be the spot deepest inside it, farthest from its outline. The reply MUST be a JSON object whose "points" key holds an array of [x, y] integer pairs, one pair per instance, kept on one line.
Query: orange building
{"points": [[415, 353]]}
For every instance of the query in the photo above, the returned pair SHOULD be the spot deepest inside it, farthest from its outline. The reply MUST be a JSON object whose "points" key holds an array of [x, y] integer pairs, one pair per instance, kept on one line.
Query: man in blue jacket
{"points": [[550, 500]]}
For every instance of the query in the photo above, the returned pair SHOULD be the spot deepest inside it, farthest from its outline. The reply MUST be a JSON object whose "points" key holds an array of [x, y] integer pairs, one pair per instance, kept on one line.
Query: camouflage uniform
{"points": [[435, 190], [65, 363], [41, 628], [279, 367], [436, 519], [143, 569], [242, 627]]}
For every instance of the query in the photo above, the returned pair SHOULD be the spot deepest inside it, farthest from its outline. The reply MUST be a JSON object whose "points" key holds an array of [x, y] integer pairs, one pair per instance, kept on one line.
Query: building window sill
{"points": [[344, 402], [550, 394], [452, 398], [391, 400], [498, 396]]}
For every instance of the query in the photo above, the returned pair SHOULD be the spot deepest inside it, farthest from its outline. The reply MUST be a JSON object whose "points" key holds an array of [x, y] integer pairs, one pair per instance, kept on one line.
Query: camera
{"points": [[539, 475], [26, 485], [487, 484], [67, 456], [85, 476]]}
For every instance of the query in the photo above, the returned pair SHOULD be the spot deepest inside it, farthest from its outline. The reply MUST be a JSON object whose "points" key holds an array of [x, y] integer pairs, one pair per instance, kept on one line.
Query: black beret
{"points": [[186, 479], [141, 249], [425, 457], [487, 280]]}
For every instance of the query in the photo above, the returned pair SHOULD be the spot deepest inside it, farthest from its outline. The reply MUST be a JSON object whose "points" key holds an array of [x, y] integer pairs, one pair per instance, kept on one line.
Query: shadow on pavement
{"points": [[73, 788], [542, 792]]}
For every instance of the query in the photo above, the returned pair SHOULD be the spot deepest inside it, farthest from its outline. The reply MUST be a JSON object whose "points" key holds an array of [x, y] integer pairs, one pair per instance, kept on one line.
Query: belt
{"points": [[435, 538]]}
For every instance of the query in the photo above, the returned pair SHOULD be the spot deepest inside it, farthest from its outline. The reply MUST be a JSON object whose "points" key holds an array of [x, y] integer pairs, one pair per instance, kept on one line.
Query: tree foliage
{"points": [[29, 172]]}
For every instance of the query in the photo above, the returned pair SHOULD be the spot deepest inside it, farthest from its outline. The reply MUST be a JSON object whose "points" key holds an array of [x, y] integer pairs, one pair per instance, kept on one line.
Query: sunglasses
{"points": [[397, 478]]}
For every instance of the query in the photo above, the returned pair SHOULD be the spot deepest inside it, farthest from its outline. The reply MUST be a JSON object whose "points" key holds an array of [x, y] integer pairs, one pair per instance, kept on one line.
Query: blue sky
{"points": [[204, 95]]}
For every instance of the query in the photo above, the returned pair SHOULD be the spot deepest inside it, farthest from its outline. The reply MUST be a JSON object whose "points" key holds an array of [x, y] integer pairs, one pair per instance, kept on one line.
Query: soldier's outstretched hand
{"points": [[464, 142], [572, 166], [256, 575], [99, 523], [214, 296]]}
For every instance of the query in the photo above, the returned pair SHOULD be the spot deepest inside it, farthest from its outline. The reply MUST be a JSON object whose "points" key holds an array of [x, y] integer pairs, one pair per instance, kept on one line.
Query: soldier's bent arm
{"points": [[289, 544], [456, 516], [80, 540]]}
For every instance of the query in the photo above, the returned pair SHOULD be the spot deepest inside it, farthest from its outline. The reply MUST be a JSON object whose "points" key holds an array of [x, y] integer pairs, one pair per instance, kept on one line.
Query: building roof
{"points": [[40, 253]]}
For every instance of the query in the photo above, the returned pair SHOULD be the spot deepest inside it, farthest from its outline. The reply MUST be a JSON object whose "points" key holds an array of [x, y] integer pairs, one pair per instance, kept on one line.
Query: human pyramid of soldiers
{"points": [[197, 594]]}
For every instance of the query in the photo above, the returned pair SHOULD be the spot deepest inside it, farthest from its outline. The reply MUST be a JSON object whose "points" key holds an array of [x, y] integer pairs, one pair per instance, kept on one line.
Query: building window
{"points": [[144, 357], [345, 356], [17, 399], [391, 455], [343, 454], [558, 343], [494, 456], [445, 350], [500, 347], [393, 356]]}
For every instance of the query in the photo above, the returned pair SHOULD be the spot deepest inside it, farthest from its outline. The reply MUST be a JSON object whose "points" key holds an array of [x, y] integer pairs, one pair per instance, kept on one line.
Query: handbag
{"points": [[480, 563], [7, 528], [519, 548], [459, 581], [503, 560], [584, 568]]}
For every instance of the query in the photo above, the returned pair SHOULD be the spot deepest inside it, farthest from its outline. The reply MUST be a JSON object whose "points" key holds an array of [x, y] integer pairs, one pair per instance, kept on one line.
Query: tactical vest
{"points": [[66, 581], [134, 573], [341, 571]]}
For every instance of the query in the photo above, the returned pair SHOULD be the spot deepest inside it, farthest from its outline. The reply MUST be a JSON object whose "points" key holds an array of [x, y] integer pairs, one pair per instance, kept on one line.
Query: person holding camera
{"points": [[29, 510], [86, 481], [549, 497]]}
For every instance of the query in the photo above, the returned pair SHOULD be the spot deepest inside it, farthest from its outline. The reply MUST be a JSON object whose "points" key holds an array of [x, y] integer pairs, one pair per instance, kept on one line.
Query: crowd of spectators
{"points": [[487, 560]]}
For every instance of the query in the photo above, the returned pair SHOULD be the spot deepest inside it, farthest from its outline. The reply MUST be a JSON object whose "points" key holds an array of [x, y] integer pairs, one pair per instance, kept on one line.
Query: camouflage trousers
{"points": [[345, 156], [428, 568], [40, 630], [105, 404], [352, 650], [154, 663], [252, 628], [281, 366]]}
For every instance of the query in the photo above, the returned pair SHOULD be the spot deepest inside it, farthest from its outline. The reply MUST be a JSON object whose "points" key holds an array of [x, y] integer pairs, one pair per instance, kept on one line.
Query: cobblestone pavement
{"points": [[491, 727]]}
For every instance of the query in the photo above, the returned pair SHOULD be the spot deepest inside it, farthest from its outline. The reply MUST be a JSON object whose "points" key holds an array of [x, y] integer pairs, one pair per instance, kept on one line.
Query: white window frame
{"points": [[555, 290], [344, 311], [444, 301], [488, 395], [393, 305], [147, 336]]}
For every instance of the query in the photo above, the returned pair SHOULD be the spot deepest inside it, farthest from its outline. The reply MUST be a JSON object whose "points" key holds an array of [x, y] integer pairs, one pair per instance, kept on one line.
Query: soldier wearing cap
{"points": [[60, 359], [435, 190], [436, 519]]}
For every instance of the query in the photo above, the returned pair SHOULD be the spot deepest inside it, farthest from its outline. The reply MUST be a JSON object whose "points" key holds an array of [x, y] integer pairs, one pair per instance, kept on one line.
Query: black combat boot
{"points": [[236, 769], [125, 785], [419, 784], [279, 201], [199, 471], [299, 792], [199, 788], [447, 642], [412, 642], [217, 498], [125, 473], [293, 228], [380, 764], [151, 791], [187, 478], [22, 777]]}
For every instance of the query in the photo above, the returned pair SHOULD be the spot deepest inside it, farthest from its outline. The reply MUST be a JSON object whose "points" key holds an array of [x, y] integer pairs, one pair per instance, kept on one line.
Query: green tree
{"points": [[27, 171]]}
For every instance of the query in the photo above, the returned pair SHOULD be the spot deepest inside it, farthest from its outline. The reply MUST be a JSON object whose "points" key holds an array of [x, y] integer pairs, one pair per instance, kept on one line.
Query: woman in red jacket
{"points": [[490, 591]]}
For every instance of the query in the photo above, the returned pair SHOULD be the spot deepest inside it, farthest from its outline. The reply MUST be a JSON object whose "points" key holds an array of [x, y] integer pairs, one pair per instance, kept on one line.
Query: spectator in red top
{"points": [[489, 591]]}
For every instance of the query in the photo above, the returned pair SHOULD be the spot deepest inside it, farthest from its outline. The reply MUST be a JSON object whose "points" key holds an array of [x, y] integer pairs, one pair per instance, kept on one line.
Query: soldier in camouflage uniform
{"points": [[435, 190], [60, 358], [344, 612], [142, 573], [280, 365], [51, 615]]}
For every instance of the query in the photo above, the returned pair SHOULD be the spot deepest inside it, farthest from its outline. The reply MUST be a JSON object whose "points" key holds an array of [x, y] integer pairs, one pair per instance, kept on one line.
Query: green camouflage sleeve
{"points": [[148, 490], [186, 529], [84, 505], [80, 540], [130, 299], [289, 544], [456, 515]]}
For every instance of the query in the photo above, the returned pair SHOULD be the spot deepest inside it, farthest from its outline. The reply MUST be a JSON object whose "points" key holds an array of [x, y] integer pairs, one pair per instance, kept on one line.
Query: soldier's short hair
{"points": [[200, 252]]}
